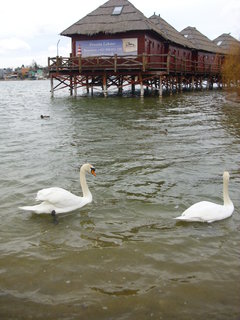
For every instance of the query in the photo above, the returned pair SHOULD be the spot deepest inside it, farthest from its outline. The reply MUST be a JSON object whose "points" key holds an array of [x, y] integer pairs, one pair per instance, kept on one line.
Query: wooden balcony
{"points": [[146, 63]]}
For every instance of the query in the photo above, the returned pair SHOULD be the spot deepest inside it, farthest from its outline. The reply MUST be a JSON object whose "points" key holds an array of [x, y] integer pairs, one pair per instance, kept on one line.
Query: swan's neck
{"points": [[226, 199], [84, 186]]}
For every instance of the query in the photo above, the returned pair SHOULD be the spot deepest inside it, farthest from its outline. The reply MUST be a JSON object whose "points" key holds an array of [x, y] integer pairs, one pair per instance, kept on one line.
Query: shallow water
{"points": [[123, 256]]}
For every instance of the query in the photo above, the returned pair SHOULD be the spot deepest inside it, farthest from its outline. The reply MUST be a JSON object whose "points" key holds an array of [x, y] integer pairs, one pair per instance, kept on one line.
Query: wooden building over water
{"points": [[117, 46]]}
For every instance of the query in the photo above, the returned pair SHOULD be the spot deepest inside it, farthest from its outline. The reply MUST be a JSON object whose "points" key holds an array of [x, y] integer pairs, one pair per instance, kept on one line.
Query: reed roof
{"points": [[170, 32], [199, 40], [226, 42], [102, 20]]}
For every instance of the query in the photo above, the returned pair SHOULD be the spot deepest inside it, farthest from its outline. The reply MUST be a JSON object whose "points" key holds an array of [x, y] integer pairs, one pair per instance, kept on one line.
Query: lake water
{"points": [[123, 256]]}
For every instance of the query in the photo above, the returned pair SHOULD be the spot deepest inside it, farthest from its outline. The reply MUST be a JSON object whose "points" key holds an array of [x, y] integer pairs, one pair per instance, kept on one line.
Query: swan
{"points": [[57, 200], [206, 211]]}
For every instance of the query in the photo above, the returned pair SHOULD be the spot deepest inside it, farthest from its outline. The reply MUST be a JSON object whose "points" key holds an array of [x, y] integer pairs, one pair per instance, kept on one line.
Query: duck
{"points": [[57, 200], [205, 211], [44, 117], [165, 131]]}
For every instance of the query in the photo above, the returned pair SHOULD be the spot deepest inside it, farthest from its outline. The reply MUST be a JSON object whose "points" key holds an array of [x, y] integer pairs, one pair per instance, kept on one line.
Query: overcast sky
{"points": [[29, 29]]}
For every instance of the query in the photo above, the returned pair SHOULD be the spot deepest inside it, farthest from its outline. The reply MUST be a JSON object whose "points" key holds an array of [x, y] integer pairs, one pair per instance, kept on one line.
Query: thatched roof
{"points": [[102, 20], [226, 42], [199, 40], [170, 32]]}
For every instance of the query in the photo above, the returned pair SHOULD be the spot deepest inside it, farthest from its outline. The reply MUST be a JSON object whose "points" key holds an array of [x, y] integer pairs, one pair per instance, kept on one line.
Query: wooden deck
{"points": [[150, 63], [153, 70]]}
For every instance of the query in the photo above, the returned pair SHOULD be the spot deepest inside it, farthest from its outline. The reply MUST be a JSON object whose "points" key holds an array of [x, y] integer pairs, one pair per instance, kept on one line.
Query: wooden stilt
{"points": [[133, 85], [160, 87], [141, 86], [75, 86], [92, 82], [120, 82], [52, 90], [87, 84], [192, 82], [171, 86], [105, 85], [71, 86]]}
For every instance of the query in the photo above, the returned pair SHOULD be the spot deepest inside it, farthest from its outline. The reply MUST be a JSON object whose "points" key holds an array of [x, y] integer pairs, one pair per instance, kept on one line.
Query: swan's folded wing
{"points": [[57, 196], [204, 211], [50, 193]]}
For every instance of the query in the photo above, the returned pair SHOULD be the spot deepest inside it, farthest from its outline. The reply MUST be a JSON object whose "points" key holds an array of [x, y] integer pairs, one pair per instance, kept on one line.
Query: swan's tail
{"points": [[28, 208], [39, 208], [180, 218], [192, 219]]}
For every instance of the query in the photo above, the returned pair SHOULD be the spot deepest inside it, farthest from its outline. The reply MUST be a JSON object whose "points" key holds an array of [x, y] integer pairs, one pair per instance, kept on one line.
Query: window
{"points": [[117, 10]]}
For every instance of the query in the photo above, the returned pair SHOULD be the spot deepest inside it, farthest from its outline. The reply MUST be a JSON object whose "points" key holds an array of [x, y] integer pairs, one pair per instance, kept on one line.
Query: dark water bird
{"points": [[44, 117], [165, 131], [206, 211]]}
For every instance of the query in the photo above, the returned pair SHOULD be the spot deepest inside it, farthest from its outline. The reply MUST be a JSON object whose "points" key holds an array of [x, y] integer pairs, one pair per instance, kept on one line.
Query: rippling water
{"points": [[123, 256]]}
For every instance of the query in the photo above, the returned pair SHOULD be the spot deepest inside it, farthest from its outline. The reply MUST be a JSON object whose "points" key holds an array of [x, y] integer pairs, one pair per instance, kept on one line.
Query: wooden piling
{"points": [[105, 85], [160, 87], [52, 89]]}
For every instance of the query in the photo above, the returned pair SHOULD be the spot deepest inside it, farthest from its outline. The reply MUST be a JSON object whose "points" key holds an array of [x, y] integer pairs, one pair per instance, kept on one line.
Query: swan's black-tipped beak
{"points": [[93, 172]]}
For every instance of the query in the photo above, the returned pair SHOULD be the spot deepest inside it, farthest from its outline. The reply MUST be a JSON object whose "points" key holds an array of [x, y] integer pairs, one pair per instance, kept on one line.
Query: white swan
{"points": [[58, 200], [206, 211]]}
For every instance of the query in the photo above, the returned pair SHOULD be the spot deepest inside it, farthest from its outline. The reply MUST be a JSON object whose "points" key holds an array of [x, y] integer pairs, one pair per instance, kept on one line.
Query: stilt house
{"points": [[206, 55]]}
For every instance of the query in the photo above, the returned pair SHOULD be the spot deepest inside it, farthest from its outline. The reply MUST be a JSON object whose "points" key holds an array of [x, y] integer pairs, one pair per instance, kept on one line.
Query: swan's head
{"points": [[226, 175], [87, 167]]}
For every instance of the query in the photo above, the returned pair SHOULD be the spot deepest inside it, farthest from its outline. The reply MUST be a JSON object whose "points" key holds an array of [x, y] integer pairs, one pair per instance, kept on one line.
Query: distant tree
{"points": [[34, 65], [231, 68]]}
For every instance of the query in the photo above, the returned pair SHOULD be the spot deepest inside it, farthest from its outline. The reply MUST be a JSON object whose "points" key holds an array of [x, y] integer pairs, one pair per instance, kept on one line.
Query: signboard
{"points": [[107, 47]]}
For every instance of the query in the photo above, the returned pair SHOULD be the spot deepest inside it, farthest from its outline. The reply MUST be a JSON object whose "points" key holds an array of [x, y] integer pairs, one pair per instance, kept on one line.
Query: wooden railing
{"points": [[144, 62]]}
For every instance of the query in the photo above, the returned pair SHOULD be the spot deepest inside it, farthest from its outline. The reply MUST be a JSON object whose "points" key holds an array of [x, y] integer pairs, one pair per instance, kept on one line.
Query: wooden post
{"points": [[133, 85], [192, 82], [52, 90], [120, 88], [180, 84], [141, 86], [75, 86], [87, 84], [80, 63], [92, 82], [105, 85], [160, 87], [171, 85], [71, 86], [115, 62]]}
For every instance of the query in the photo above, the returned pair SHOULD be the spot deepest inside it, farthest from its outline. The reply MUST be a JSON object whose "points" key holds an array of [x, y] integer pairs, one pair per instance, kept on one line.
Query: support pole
{"points": [[105, 85], [120, 82], [87, 84], [52, 90], [75, 87], [141, 86], [92, 82], [133, 85], [171, 85], [160, 87], [192, 82], [71, 86]]}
